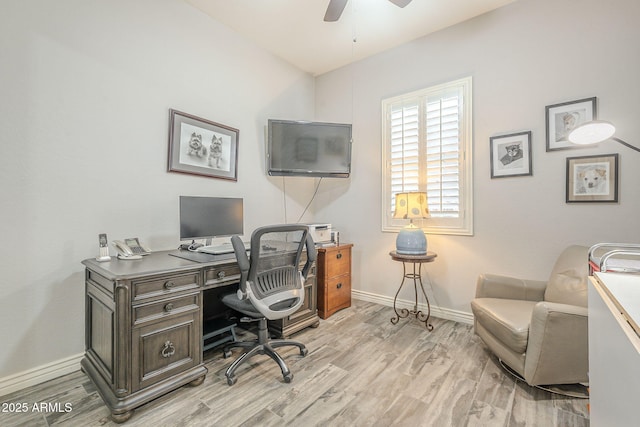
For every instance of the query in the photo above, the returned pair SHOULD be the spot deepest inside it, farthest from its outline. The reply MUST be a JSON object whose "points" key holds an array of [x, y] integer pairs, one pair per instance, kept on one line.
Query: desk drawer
{"points": [[338, 292], [165, 348], [166, 308], [164, 285], [338, 262], [221, 275]]}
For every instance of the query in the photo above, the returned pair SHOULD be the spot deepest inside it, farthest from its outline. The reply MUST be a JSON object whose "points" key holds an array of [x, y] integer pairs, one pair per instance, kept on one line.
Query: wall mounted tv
{"points": [[315, 149]]}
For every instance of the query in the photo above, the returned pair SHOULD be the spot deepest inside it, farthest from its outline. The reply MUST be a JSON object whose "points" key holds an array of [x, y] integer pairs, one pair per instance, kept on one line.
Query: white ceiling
{"points": [[295, 30]]}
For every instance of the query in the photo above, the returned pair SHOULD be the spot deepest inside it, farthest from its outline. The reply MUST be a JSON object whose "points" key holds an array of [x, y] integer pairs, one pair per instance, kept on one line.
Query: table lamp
{"points": [[411, 239]]}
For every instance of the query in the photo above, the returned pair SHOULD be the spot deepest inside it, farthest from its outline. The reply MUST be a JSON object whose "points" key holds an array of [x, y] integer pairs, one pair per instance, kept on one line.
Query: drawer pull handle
{"points": [[221, 275], [168, 350], [169, 284], [168, 307], [339, 285], [339, 255]]}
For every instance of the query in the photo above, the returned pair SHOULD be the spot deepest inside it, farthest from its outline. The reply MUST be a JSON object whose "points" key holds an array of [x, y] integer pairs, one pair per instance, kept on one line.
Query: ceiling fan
{"points": [[335, 8]]}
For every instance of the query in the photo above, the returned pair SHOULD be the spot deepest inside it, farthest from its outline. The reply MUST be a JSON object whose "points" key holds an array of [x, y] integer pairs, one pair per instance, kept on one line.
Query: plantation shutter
{"points": [[427, 147], [425, 152]]}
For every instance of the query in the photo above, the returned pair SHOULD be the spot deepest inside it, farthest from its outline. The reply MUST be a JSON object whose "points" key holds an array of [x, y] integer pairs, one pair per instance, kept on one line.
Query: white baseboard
{"points": [[40, 374], [442, 313]]}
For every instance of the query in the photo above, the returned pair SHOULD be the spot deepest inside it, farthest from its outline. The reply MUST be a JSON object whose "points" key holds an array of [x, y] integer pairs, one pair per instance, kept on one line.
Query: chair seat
{"points": [[243, 306], [508, 320]]}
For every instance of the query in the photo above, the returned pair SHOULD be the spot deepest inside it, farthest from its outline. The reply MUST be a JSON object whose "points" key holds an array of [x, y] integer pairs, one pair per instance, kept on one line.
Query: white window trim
{"points": [[458, 226]]}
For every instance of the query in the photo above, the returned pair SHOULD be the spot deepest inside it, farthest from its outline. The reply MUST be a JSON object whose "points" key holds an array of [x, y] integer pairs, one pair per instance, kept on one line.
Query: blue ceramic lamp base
{"points": [[411, 241]]}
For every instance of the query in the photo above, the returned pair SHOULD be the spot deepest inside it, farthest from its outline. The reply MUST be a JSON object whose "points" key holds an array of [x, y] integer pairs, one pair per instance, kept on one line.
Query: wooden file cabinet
{"points": [[334, 279]]}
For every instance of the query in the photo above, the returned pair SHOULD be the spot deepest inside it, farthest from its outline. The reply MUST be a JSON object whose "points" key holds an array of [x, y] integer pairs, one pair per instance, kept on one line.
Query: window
{"points": [[426, 139]]}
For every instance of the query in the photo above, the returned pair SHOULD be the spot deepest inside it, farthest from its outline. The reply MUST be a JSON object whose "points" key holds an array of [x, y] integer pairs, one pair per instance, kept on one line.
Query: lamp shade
{"points": [[592, 132], [411, 239], [411, 205]]}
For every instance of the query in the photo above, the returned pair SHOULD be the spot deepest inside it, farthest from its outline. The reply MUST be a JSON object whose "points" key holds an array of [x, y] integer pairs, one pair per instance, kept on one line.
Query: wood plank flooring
{"points": [[360, 371]]}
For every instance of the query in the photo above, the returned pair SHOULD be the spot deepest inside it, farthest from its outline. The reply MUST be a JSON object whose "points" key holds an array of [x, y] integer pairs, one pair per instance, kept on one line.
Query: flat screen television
{"points": [[315, 149], [209, 217]]}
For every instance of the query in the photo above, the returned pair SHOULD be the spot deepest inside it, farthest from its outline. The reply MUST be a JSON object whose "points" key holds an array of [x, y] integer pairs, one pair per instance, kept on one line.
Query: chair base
{"points": [[263, 345], [578, 391]]}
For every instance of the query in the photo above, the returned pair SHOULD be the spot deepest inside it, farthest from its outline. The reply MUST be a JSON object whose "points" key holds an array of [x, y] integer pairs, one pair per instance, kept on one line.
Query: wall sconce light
{"points": [[596, 131], [411, 239]]}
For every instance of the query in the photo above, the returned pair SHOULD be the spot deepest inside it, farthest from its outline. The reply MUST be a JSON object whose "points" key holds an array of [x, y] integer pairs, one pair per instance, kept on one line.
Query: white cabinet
{"points": [[614, 349]]}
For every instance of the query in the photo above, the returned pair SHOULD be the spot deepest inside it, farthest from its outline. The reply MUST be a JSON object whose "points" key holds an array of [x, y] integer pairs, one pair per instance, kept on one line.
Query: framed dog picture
{"points": [[511, 155], [201, 147], [592, 179], [562, 118]]}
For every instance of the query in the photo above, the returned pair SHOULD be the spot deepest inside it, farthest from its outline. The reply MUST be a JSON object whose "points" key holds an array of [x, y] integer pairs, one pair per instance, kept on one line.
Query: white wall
{"points": [[85, 87], [522, 57]]}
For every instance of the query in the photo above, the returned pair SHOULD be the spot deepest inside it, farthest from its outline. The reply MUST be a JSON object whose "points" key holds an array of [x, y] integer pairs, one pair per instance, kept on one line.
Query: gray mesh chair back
{"points": [[274, 282]]}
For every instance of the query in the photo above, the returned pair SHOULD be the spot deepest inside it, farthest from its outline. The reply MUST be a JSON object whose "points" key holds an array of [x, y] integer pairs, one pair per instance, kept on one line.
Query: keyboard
{"points": [[224, 248]]}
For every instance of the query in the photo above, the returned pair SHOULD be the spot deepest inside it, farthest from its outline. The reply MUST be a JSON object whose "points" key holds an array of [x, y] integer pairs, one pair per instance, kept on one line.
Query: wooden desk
{"points": [[416, 275], [143, 323]]}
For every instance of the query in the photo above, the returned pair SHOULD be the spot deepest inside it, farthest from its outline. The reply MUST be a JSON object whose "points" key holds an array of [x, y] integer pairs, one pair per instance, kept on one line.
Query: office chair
{"points": [[271, 287]]}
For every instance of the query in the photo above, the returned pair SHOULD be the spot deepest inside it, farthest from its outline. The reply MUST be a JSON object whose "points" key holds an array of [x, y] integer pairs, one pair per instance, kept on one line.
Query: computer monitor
{"points": [[209, 217]]}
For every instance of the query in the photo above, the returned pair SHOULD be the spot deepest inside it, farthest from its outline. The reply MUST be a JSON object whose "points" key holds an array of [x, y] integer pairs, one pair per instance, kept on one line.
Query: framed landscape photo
{"points": [[201, 147], [562, 118], [511, 155], [592, 179]]}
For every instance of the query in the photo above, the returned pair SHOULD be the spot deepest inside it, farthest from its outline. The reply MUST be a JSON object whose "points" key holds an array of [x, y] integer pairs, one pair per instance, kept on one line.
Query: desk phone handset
{"points": [[130, 248]]}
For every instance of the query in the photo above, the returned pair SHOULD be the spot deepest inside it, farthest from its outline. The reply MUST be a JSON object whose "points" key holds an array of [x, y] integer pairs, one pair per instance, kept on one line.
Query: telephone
{"points": [[130, 248]]}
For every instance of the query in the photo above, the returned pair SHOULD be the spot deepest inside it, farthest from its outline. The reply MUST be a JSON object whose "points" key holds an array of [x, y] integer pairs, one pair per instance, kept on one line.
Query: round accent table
{"points": [[414, 273]]}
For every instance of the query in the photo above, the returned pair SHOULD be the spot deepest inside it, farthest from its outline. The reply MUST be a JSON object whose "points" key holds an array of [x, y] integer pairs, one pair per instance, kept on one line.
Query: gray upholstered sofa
{"points": [[537, 328]]}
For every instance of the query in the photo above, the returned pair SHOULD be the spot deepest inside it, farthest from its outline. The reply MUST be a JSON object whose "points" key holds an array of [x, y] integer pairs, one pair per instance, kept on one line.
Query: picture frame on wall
{"points": [[592, 179], [562, 118], [199, 146], [511, 155]]}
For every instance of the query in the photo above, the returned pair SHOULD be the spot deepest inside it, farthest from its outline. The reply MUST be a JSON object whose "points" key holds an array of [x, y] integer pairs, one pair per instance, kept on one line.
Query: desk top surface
{"points": [[624, 290], [156, 262]]}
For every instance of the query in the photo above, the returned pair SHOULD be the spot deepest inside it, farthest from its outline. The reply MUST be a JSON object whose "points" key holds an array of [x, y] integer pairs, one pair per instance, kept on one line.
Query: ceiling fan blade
{"points": [[334, 10], [400, 3]]}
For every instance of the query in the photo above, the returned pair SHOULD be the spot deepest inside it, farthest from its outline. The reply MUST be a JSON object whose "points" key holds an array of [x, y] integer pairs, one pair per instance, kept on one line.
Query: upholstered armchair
{"points": [[538, 328]]}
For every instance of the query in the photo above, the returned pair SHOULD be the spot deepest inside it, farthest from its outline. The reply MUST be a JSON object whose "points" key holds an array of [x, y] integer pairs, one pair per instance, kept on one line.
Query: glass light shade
{"points": [[592, 132]]}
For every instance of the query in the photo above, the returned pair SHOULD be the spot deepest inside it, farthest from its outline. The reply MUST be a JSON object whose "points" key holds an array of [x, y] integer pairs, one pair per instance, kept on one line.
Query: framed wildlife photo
{"points": [[562, 118], [201, 147], [511, 155], [592, 179]]}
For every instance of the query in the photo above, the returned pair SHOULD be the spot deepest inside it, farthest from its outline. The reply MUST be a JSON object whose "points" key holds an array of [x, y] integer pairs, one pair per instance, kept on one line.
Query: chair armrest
{"points": [[243, 263], [558, 347], [497, 286], [312, 254]]}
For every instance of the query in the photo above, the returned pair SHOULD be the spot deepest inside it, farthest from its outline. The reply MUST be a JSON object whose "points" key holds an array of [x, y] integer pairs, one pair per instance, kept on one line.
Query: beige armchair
{"points": [[537, 328]]}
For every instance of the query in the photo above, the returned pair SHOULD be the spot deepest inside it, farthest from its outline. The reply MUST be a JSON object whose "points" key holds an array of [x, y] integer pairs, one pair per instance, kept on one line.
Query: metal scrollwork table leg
{"points": [[414, 274]]}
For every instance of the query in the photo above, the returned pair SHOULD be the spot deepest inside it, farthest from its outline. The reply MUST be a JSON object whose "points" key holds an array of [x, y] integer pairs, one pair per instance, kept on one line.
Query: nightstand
{"points": [[334, 279]]}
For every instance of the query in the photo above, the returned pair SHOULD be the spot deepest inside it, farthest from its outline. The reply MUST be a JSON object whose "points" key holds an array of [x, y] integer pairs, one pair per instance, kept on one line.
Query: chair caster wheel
{"points": [[304, 352], [288, 378], [231, 380], [227, 354]]}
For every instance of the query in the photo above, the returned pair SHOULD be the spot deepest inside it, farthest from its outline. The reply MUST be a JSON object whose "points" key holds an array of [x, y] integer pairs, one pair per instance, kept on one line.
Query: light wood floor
{"points": [[360, 371]]}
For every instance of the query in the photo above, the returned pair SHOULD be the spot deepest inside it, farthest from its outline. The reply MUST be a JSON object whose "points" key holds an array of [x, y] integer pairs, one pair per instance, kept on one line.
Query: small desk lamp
{"points": [[596, 131], [411, 239]]}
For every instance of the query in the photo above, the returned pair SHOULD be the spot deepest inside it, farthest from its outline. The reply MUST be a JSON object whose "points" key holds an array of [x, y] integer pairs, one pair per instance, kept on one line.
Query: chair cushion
{"points": [[243, 306], [568, 281], [508, 320]]}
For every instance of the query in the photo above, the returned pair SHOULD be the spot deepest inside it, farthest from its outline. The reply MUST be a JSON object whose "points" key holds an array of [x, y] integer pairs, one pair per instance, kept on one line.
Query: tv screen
{"points": [[315, 149], [209, 217]]}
